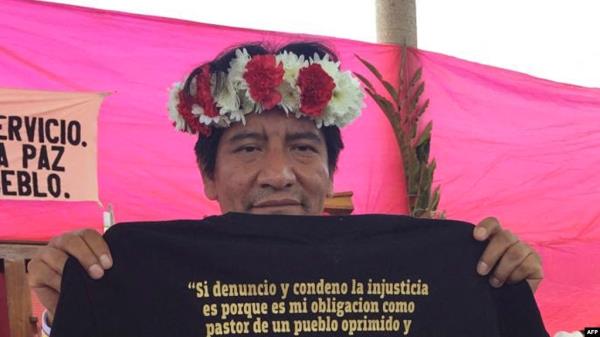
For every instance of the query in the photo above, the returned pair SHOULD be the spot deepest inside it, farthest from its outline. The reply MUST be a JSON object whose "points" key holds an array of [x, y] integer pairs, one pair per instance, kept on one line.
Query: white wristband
{"points": [[568, 334], [45, 326]]}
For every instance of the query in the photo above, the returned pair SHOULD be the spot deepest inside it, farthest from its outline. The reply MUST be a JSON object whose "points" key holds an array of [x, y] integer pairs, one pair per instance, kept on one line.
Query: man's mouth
{"points": [[276, 203]]}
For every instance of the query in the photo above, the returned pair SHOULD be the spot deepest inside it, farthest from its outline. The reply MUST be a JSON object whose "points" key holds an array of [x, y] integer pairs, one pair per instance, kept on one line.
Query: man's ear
{"points": [[210, 188]]}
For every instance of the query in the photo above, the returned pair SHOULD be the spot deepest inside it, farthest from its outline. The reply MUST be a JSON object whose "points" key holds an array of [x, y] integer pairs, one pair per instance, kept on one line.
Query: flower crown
{"points": [[315, 88]]}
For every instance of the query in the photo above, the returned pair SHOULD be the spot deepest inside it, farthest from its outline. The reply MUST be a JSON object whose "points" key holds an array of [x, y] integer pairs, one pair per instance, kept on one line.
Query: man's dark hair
{"points": [[206, 147]]}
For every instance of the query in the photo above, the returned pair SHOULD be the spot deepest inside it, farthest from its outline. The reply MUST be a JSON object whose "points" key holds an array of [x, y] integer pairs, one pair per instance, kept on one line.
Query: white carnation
{"points": [[290, 97], [237, 67], [346, 101], [331, 68], [237, 116], [198, 111], [292, 64], [227, 99], [174, 114], [246, 106]]}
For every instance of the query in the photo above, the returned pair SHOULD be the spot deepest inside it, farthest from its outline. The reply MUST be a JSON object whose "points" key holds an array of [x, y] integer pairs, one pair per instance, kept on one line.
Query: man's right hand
{"points": [[46, 268]]}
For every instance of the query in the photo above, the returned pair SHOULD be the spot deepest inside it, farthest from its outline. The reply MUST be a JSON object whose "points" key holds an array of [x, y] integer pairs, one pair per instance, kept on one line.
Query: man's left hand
{"points": [[506, 259]]}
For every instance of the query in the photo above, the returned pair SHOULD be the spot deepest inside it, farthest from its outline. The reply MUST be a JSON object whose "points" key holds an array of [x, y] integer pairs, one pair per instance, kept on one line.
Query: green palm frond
{"points": [[403, 106]]}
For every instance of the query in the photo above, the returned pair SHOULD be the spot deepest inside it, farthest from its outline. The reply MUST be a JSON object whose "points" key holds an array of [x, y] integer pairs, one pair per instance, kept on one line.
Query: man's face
{"points": [[272, 165]]}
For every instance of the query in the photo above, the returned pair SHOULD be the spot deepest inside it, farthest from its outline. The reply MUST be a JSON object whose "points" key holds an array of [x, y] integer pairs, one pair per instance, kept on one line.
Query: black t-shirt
{"points": [[241, 274]]}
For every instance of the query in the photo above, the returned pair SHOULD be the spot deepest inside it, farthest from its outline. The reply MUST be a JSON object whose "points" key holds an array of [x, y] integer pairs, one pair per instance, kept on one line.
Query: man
{"points": [[269, 139]]}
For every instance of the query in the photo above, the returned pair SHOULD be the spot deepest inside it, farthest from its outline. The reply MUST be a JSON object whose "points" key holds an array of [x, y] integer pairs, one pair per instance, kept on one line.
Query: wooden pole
{"points": [[397, 22], [16, 292]]}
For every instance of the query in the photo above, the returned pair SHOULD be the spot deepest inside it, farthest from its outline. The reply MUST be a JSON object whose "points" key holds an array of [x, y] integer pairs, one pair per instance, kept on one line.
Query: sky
{"points": [[552, 39]]}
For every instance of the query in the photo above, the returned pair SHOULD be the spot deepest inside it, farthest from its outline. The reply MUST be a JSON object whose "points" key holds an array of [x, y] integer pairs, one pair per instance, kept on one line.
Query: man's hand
{"points": [[506, 258], [46, 268]]}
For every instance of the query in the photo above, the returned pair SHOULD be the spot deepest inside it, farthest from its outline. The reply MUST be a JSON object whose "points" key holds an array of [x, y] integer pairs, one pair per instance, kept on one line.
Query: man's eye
{"points": [[305, 148], [247, 149]]}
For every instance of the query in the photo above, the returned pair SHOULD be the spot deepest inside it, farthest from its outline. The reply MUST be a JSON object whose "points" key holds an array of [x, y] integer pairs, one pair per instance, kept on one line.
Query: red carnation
{"points": [[264, 76], [316, 89], [204, 93], [190, 119]]}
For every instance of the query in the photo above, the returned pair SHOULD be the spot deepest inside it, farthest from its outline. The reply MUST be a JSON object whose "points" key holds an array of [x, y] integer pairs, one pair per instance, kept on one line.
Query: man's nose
{"points": [[276, 172]]}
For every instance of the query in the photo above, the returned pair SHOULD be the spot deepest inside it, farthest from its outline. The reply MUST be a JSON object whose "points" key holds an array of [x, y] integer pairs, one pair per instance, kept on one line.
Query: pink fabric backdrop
{"points": [[509, 145], [527, 151]]}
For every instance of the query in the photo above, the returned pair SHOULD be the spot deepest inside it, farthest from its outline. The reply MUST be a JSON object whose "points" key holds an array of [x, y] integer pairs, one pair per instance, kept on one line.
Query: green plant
{"points": [[403, 108]]}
